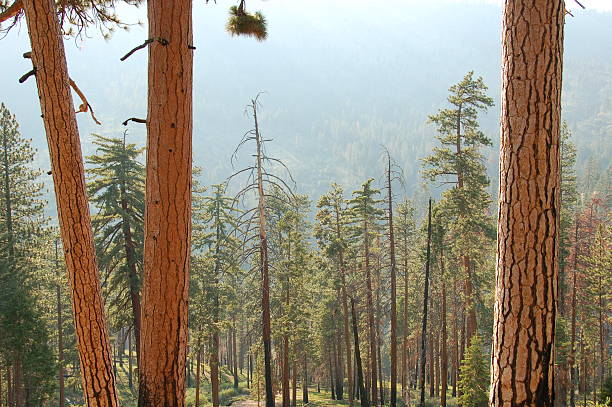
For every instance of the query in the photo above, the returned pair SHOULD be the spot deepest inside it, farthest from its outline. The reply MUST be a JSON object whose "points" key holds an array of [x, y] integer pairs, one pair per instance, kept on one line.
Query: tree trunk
{"points": [[363, 394], [393, 344], [130, 254], [198, 366], [60, 331], [527, 255], [371, 324], [235, 355], [59, 118], [425, 303], [305, 379], [455, 343], [443, 349], [294, 384], [331, 374], [285, 384], [405, 370], [337, 351], [347, 338], [264, 267], [572, 353], [168, 205]]}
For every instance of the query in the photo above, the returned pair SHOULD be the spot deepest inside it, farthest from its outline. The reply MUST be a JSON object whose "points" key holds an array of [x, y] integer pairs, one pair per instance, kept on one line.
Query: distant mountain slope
{"points": [[342, 79]]}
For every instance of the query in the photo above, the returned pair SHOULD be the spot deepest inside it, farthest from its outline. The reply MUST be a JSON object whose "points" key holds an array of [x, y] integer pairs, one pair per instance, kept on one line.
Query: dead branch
{"points": [[25, 76], [12, 11], [162, 41], [85, 106], [135, 120]]}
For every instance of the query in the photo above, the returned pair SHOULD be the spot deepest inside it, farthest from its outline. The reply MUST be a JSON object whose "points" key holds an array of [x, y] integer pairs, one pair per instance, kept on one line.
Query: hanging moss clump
{"points": [[242, 23]]}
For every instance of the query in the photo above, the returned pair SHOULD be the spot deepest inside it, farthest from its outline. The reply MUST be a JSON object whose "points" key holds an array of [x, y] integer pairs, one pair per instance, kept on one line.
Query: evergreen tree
{"points": [[117, 190], [365, 216], [474, 377], [215, 268], [459, 161], [24, 336]]}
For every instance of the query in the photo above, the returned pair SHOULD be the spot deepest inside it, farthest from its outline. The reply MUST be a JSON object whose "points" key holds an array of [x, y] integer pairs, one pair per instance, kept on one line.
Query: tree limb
{"points": [[12, 11], [85, 106]]}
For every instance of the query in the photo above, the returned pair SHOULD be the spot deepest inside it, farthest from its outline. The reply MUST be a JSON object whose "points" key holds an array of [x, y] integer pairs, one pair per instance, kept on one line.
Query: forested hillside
{"points": [[338, 87], [305, 204]]}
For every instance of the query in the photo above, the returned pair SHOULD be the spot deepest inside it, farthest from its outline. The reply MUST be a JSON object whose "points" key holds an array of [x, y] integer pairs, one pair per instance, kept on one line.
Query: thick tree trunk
{"points": [[168, 205], [59, 118], [527, 255], [363, 393]]}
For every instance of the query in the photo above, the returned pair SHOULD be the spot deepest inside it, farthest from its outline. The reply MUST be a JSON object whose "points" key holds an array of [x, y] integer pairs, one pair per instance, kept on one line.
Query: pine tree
{"points": [[24, 336], [569, 199], [331, 232], [365, 216], [474, 377], [117, 190], [459, 161], [216, 254], [59, 119]]}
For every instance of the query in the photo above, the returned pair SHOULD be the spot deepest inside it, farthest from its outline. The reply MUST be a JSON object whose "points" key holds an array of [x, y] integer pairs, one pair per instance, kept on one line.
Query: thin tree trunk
{"points": [[294, 384], [285, 369], [60, 331], [304, 379], [130, 367], [130, 253], [235, 355], [527, 255], [425, 303], [331, 374], [263, 262], [59, 119], [371, 325], [363, 393], [405, 370], [393, 344], [455, 343], [443, 349], [337, 352], [198, 366], [572, 354], [431, 361], [214, 368]]}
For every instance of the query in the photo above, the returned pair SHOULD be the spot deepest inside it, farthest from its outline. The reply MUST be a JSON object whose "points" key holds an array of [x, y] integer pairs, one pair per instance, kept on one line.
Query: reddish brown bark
{"points": [[49, 59], [163, 345], [527, 255], [393, 355]]}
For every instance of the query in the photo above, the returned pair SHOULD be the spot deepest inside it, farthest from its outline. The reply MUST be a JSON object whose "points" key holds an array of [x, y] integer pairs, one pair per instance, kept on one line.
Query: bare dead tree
{"points": [[259, 182]]}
